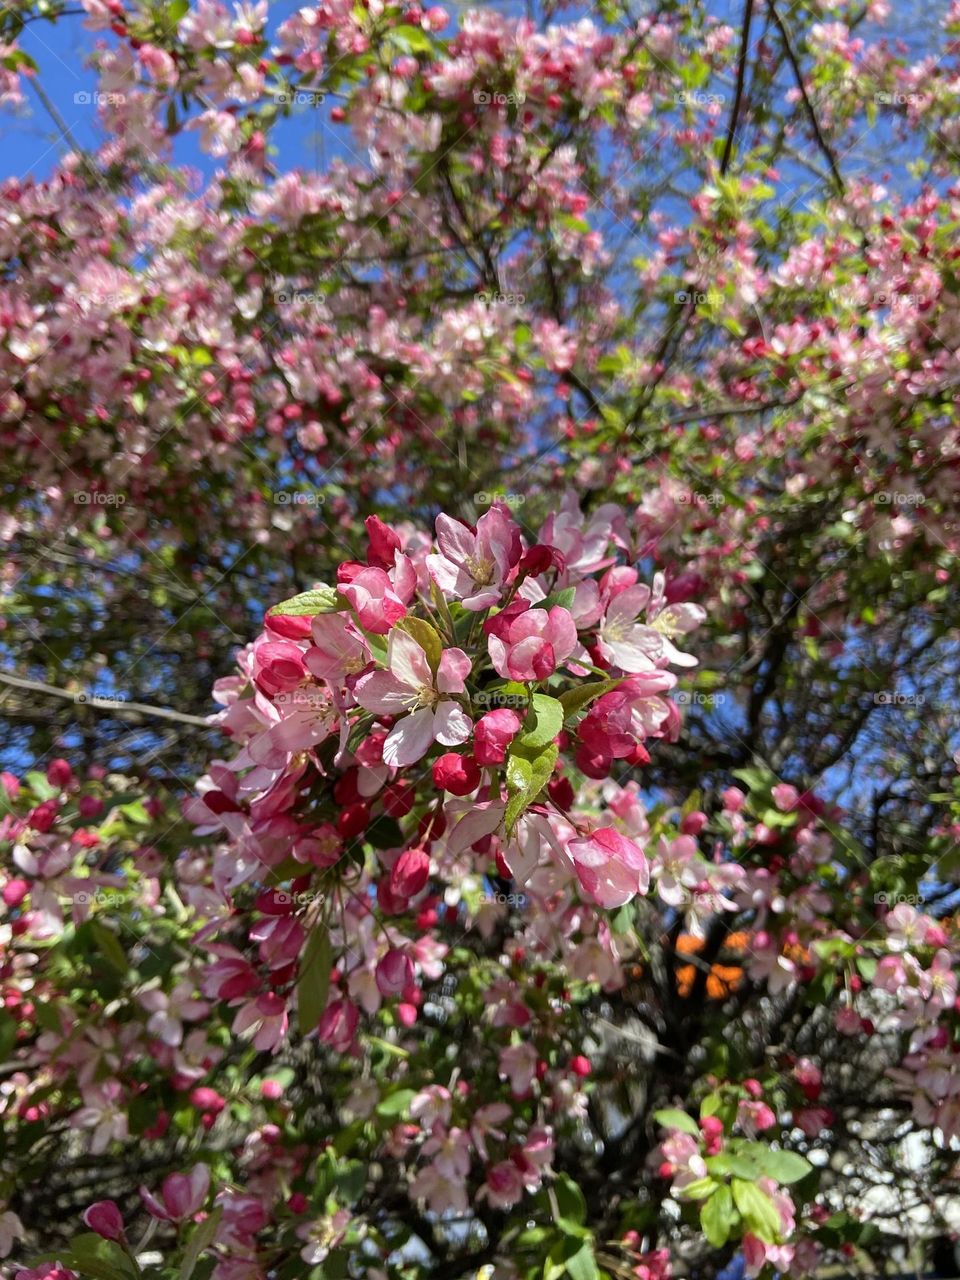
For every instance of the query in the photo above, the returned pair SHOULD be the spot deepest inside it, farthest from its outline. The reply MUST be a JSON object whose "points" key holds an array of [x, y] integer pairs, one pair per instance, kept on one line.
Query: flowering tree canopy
{"points": [[478, 647]]}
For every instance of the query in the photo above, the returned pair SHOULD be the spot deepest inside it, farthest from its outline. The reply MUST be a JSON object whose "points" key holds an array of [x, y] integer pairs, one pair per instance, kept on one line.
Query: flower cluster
{"points": [[430, 712]]}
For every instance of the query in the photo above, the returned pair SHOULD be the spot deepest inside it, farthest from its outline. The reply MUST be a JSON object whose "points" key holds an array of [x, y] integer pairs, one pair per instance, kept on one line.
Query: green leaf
{"points": [[97, 1258], [784, 1166], [718, 1217], [582, 1265], [757, 1210], [176, 10], [201, 1239], [314, 980], [396, 1103], [699, 1190], [8, 1034], [570, 1200], [426, 637], [526, 778], [544, 721], [109, 946], [40, 787], [309, 603], [582, 695], [674, 1119]]}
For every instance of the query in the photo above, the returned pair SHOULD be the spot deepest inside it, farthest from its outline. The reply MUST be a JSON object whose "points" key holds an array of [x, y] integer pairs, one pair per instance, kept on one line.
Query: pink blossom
{"points": [[338, 1025], [611, 868], [530, 644], [409, 686], [105, 1219], [373, 599], [493, 733], [472, 566], [338, 651], [181, 1196], [265, 1017]]}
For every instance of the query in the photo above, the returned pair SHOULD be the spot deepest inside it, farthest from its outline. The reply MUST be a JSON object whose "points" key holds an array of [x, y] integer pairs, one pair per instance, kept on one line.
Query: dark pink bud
{"points": [[410, 873], [59, 773], [384, 542], [458, 774], [493, 733], [90, 806], [394, 973], [105, 1219]]}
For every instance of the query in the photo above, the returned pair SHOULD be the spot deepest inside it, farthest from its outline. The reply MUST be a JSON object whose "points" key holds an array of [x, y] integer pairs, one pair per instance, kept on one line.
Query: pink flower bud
{"points": [[105, 1219], [458, 774], [394, 973], [271, 1090], [410, 873], [338, 1025], [493, 733], [205, 1099], [733, 799], [59, 773], [14, 892], [693, 823], [90, 806]]}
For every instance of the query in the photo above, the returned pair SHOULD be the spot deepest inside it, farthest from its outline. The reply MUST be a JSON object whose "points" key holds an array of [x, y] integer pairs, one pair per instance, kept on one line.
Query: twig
{"points": [[111, 706], [741, 78]]}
